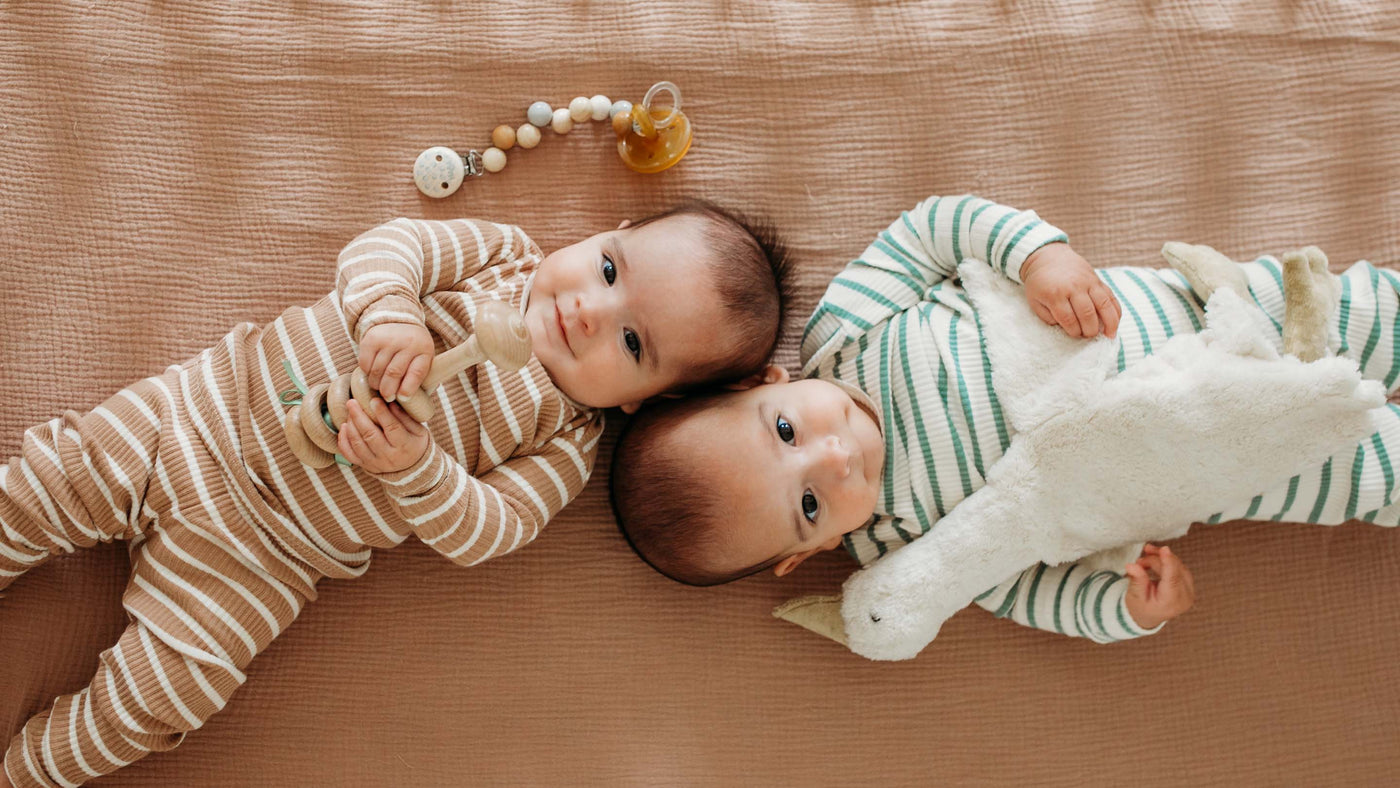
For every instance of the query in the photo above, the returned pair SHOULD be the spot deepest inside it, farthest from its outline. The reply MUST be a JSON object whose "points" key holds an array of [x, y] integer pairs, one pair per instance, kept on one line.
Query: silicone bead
{"points": [[438, 171], [622, 122], [503, 137], [580, 109], [562, 122], [621, 105], [539, 113], [602, 107], [527, 136], [494, 159]]}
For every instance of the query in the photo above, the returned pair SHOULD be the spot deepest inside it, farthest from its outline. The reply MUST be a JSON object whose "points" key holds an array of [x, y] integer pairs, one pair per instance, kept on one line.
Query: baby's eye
{"points": [[785, 430], [609, 270], [809, 506], [633, 343]]}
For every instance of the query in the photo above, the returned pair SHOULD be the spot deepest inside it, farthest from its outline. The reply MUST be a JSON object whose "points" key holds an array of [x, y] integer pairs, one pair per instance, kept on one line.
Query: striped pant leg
{"points": [[79, 479], [1360, 483], [200, 610]]}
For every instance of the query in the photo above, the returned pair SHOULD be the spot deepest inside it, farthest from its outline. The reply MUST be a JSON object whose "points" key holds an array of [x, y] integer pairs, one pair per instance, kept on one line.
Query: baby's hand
{"points": [[391, 441], [396, 357], [1063, 290], [1160, 587]]}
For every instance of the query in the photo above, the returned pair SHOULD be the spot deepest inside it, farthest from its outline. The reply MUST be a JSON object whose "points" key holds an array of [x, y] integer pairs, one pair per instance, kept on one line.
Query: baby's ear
{"points": [[632, 407], [770, 374]]}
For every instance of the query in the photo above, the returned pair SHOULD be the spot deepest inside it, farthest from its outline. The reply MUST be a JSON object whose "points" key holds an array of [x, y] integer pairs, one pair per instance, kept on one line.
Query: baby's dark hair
{"points": [[751, 274], [670, 518]]}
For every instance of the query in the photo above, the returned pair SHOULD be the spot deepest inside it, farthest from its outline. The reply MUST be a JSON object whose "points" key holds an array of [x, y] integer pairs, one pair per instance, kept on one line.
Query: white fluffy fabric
{"points": [[1101, 460]]}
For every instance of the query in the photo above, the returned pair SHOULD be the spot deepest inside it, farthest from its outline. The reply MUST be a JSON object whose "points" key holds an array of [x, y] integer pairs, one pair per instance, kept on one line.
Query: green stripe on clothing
{"points": [[849, 317], [1010, 601], [1006, 252], [873, 295], [958, 452], [965, 400], [1395, 333], [1288, 499], [1344, 316], [1323, 484], [1357, 464], [1137, 321], [1253, 507], [1059, 594], [992, 237], [1152, 298], [912, 284], [1031, 597], [1384, 458], [1375, 337], [957, 229]]}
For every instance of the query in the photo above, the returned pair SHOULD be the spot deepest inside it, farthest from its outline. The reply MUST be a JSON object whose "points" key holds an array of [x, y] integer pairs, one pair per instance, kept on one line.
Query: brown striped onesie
{"points": [[230, 533]]}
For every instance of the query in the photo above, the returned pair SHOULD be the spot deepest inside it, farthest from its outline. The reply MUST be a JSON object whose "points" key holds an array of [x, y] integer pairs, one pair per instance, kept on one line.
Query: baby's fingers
{"points": [[417, 371], [1107, 307], [1064, 315], [1085, 311]]}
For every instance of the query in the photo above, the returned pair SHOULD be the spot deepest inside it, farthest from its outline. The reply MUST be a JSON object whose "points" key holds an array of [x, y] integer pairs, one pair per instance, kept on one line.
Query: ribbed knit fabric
{"points": [[231, 533], [897, 325]]}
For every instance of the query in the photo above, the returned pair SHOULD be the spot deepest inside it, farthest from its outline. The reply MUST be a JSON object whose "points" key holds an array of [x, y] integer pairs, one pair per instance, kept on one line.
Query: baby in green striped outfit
{"points": [[895, 421]]}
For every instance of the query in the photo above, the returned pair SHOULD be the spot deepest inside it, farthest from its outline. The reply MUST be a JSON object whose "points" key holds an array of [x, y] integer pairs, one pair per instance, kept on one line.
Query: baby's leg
{"points": [[1367, 319], [200, 611], [80, 480], [1360, 484]]}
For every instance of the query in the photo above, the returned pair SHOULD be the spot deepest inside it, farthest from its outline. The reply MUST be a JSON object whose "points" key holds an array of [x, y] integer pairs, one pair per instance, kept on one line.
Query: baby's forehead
{"points": [[724, 442]]}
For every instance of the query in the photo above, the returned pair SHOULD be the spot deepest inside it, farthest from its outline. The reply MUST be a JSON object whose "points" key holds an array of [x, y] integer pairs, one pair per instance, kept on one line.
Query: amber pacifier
{"points": [[653, 137]]}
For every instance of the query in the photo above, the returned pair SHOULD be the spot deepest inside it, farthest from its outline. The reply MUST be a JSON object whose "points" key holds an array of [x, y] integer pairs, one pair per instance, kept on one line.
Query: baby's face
{"points": [[619, 317], [800, 463]]}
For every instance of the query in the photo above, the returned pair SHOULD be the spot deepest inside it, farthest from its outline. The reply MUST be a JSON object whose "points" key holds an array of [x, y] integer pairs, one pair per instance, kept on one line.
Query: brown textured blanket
{"points": [[166, 172]]}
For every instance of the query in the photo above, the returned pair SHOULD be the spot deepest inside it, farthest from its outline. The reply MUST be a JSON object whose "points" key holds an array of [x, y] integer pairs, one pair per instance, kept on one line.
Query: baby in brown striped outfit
{"points": [[230, 533]]}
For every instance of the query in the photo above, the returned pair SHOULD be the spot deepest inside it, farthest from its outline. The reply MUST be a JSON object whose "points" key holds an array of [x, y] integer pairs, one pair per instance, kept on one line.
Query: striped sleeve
{"points": [[1068, 599], [921, 249], [382, 275], [470, 519]]}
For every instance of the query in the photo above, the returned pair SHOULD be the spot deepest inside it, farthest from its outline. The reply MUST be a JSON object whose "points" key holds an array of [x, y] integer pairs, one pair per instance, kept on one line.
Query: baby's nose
{"points": [[587, 316], [837, 457]]}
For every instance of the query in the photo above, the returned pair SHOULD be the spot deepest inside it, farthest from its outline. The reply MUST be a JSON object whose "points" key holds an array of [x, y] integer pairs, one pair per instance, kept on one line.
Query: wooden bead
{"points": [[503, 137], [539, 113], [622, 123], [493, 159], [580, 109], [527, 136], [313, 423], [562, 123], [602, 107]]}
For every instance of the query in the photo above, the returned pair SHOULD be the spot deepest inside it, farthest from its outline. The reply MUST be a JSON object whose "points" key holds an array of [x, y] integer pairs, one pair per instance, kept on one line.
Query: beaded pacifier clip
{"points": [[650, 138]]}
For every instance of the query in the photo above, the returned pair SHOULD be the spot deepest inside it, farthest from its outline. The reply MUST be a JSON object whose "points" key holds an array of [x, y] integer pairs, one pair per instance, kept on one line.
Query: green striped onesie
{"points": [[896, 324]]}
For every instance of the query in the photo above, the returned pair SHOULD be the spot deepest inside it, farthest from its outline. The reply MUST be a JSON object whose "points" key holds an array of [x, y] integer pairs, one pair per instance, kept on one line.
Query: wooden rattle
{"points": [[649, 138], [313, 425]]}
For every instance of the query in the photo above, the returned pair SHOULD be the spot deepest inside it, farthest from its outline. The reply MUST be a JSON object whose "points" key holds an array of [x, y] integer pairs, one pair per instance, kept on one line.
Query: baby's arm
{"points": [[1099, 605], [470, 519], [921, 249], [383, 274]]}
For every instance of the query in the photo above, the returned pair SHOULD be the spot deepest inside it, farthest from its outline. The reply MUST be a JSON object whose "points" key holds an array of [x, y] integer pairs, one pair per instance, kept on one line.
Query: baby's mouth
{"points": [[563, 332]]}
